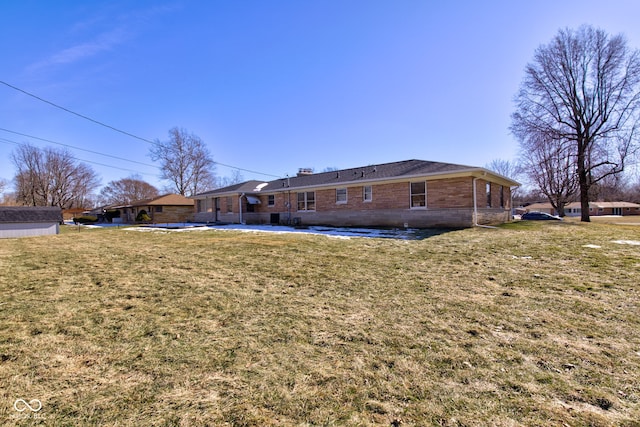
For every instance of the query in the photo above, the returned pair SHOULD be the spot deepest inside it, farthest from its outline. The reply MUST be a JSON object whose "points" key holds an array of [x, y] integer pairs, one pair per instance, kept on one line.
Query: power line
{"points": [[78, 148], [114, 128], [77, 114], [8, 141], [246, 170]]}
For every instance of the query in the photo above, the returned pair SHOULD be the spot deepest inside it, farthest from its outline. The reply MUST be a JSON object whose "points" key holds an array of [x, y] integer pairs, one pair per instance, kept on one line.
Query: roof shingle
{"points": [[30, 214]]}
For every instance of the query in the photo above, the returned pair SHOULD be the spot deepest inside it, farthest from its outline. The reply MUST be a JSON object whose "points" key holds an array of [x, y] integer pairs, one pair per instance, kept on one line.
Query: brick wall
{"points": [[171, 214], [449, 204]]}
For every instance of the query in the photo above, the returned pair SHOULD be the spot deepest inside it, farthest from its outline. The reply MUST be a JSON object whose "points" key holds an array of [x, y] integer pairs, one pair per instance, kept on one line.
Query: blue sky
{"points": [[272, 86]]}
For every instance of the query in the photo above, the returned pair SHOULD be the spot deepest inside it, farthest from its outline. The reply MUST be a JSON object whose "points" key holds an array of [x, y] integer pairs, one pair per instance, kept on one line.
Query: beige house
{"points": [[595, 208], [170, 208], [410, 193]]}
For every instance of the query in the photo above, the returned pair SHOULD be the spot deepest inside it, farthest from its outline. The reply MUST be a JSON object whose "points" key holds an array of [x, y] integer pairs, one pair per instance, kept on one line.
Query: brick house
{"points": [[410, 193], [595, 208], [169, 208]]}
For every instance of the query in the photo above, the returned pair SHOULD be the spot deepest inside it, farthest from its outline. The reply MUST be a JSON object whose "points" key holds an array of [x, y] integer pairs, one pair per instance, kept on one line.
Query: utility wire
{"points": [[77, 114], [246, 170], [78, 148], [8, 141], [114, 128]]}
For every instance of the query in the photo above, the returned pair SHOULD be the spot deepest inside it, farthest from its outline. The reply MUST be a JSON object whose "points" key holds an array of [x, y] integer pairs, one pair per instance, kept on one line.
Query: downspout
{"points": [[510, 204], [475, 203]]}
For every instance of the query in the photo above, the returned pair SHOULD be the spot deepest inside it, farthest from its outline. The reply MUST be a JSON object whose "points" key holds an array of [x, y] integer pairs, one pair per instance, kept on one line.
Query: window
{"points": [[199, 205], [307, 201], [158, 209], [341, 195], [488, 194], [367, 193], [229, 204], [501, 196], [271, 200], [419, 194]]}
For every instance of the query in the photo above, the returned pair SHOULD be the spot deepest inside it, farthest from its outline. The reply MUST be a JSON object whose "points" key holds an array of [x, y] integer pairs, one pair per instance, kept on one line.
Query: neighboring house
{"points": [[25, 221], [69, 214], [538, 207], [169, 208], [411, 193], [595, 208]]}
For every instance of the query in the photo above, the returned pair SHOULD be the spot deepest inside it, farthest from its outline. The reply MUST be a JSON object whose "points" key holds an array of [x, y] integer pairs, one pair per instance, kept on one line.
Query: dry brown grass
{"points": [[522, 325]]}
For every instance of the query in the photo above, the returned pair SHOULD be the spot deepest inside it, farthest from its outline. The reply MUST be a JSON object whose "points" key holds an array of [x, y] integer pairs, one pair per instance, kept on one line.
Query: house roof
{"points": [[608, 205], [164, 200], [16, 214], [241, 187], [407, 169]]}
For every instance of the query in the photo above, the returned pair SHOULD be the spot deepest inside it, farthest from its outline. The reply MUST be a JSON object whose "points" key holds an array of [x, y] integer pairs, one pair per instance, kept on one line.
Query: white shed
{"points": [[24, 221]]}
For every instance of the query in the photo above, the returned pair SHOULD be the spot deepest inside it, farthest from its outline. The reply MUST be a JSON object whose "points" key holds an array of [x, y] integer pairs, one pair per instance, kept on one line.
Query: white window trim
{"points": [[411, 197], [306, 202], [346, 196], [364, 194]]}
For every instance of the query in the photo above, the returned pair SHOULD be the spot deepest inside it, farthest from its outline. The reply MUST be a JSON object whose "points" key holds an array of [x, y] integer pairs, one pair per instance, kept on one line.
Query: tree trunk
{"points": [[584, 185]]}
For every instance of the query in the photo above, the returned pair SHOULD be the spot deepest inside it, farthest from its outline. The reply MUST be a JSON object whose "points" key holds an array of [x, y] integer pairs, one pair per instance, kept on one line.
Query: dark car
{"points": [[540, 216]]}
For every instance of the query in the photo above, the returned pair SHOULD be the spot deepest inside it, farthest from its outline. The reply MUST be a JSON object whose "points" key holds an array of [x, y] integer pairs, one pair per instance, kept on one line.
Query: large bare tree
{"points": [[51, 177], [127, 190], [582, 91], [185, 161]]}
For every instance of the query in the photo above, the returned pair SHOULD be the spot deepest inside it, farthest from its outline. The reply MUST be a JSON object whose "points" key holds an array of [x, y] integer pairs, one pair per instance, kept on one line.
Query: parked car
{"points": [[539, 216]]}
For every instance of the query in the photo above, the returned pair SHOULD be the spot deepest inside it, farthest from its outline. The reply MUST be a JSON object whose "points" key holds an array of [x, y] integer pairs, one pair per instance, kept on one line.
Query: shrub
{"points": [[85, 219], [143, 216]]}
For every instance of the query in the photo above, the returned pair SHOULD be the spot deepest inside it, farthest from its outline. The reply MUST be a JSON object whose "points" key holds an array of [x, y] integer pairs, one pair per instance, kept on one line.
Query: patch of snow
{"points": [[627, 242], [591, 246], [332, 232]]}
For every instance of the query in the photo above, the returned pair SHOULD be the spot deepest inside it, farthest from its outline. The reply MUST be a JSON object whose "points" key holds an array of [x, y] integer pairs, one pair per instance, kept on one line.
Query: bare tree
{"points": [[51, 177], [509, 169], [550, 166], [633, 192], [504, 167], [127, 190], [185, 161], [236, 177], [583, 90], [613, 188]]}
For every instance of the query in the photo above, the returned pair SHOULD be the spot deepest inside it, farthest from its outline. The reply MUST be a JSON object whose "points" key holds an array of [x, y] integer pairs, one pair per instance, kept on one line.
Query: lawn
{"points": [[528, 324]]}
